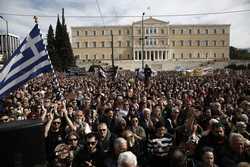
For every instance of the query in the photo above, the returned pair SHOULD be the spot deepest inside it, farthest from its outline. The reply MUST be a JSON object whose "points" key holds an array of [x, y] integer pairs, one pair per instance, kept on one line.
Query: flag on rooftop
{"points": [[29, 60]]}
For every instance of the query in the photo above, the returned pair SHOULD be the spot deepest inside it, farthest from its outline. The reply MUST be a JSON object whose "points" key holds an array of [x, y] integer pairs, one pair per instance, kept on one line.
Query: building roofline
{"points": [[10, 34], [188, 25], [108, 26], [151, 18]]}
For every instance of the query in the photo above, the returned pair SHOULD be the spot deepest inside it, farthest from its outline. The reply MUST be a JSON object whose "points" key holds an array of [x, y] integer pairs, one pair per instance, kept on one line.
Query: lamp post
{"points": [[7, 36], [142, 39]]}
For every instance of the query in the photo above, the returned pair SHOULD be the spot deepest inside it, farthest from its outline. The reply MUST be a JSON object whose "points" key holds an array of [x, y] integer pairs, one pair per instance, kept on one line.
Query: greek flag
{"points": [[28, 61]]}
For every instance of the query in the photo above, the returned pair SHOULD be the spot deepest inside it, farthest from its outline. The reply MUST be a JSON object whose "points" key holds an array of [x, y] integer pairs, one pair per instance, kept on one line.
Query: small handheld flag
{"points": [[28, 61]]}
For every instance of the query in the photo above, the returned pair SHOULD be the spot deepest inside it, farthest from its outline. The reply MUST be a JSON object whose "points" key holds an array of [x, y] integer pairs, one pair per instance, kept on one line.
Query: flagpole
{"points": [[55, 80]]}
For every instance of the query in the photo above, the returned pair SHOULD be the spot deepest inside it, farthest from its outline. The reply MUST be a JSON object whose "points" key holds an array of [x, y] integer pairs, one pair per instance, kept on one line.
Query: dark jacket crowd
{"points": [[168, 120]]}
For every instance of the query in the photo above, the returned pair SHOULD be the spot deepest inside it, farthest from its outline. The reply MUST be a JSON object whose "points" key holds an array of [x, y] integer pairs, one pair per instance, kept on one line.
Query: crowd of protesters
{"points": [[168, 120]]}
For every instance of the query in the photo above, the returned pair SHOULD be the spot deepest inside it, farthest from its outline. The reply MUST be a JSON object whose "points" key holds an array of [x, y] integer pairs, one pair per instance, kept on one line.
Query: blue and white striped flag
{"points": [[28, 61]]}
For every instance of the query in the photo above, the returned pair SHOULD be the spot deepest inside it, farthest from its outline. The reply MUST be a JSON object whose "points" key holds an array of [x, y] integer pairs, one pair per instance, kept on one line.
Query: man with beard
{"points": [[105, 137], [215, 139], [80, 125]]}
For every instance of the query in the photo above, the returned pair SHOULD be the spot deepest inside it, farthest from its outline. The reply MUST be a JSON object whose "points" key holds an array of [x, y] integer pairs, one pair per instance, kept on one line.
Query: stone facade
{"points": [[162, 42], [8, 45]]}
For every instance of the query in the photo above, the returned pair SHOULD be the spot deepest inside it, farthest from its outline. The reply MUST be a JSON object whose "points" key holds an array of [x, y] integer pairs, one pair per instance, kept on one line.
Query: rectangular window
{"points": [[223, 43], [86, 44], [151, 30], [103, 32], [135, 55], [94, 33], [206, 43], [77, 44], [198, 43], [94, 44], [119, 43], [151, 42], [162, 31], [77, 33], [120, 32], [86, 33], [173, 43], [154, 30], [190, 55], [128, 43], [214, 43], [190, 43], [181, 42], [215, 31], [173, 31], [103, 44], [206, 31], [146, 30]]}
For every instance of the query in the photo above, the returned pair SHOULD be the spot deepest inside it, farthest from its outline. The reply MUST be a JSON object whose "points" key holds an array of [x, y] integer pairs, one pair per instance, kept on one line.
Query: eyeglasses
{"points": [[79, 115], [73, 139], [91, 143], [102, 129], [4, 120]]}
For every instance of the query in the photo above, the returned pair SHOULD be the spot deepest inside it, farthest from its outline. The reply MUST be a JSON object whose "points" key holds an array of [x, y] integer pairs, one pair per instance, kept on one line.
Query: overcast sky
{"points": [[21, 25]]}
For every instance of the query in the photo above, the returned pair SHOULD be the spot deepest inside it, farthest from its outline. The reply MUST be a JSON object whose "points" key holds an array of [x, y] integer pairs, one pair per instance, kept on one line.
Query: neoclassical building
{"points": [[8, 45], [162, 41]]}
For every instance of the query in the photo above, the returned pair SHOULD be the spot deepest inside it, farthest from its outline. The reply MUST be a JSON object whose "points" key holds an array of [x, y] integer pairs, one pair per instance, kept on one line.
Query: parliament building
{"points": [[163, 42]]}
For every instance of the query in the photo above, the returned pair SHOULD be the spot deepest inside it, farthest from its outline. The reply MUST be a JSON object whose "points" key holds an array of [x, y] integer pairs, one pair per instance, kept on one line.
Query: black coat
{"points": [[83, 155]]}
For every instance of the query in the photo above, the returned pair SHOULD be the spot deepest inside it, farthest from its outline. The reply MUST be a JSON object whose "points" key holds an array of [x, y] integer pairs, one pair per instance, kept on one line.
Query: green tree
{"points": [[59, 45], [51, 48], [68, 52], [63, 45], [233, 52]]}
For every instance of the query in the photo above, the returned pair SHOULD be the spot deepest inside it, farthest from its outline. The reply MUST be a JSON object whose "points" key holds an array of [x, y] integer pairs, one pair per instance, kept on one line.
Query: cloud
{"points": [[20, 25]]}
